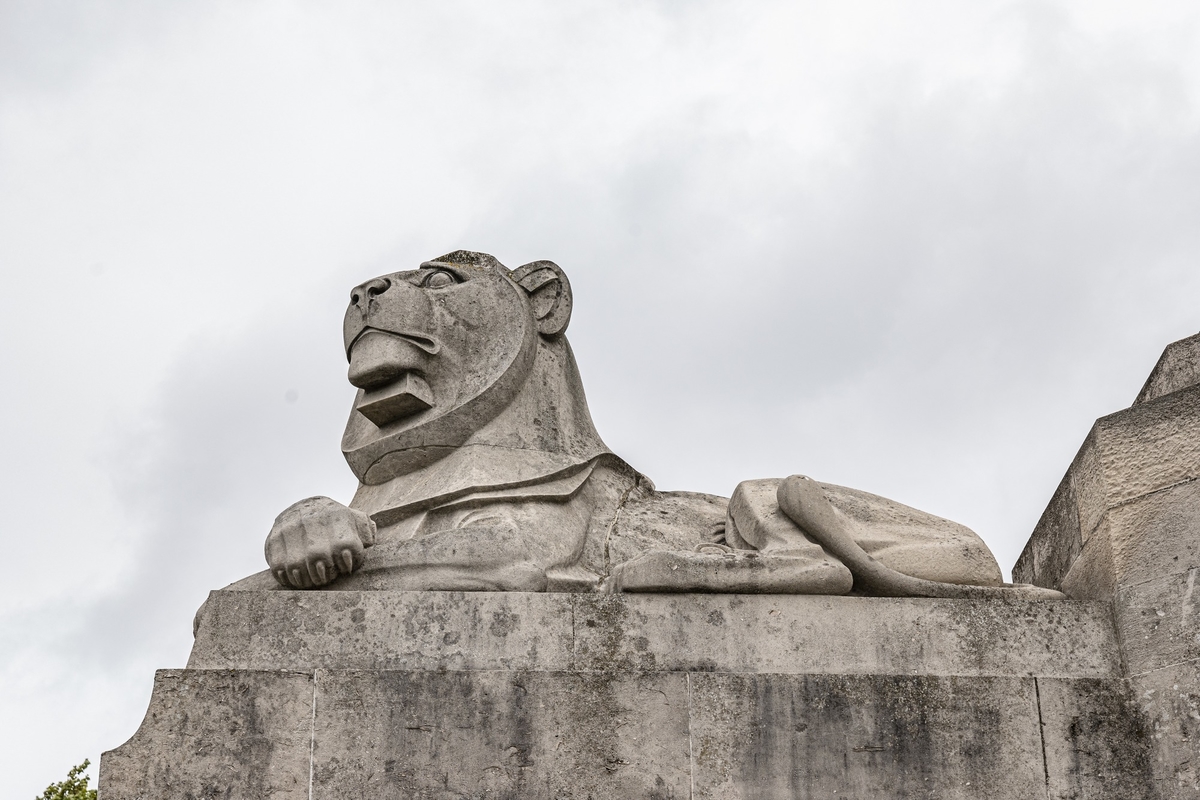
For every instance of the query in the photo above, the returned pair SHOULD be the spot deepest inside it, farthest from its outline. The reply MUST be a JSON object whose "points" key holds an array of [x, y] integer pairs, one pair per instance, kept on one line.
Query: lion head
{"points": [[465, 381]]}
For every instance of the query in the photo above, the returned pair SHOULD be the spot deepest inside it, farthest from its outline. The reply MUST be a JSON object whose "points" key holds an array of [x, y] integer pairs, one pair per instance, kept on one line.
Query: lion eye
{"points": [[439, 279]]}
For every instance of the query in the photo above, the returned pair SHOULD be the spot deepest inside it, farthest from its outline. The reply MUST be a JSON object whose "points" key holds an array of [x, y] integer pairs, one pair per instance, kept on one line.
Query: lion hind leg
{"points": [[804, 502]]}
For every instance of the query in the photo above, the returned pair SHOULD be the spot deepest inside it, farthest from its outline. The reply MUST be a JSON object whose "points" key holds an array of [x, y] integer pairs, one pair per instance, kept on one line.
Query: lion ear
{"points": [[549, 292]]}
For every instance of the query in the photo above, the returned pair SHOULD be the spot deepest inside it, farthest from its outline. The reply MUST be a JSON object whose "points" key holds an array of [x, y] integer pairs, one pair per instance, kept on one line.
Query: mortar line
{"points": [[691, 756], [1037, 697], [1151, 493], [1129, 501], [573, 659], [1122, 588], [312, 736], [1120, 634], [1131, 676]]}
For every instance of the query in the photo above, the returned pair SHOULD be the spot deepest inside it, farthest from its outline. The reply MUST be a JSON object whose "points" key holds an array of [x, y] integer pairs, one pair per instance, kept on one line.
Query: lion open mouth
{"points": [[389, 368]]}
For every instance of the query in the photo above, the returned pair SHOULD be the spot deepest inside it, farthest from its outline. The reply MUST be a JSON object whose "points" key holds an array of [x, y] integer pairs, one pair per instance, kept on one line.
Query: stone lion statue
{"points": [[480, 469]]}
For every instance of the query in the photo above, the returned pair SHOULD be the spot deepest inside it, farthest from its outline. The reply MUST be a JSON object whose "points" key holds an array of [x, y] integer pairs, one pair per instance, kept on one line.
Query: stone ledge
{"points": [[786, 634]]}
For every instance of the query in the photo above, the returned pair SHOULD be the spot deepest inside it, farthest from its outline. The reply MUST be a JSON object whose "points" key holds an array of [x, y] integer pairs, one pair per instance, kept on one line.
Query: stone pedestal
{"points": [[516, 695], [1123, 528]]}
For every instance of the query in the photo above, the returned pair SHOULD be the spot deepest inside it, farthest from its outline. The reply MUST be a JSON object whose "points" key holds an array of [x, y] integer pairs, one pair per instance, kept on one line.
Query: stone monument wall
{"points": [[538, 695]]}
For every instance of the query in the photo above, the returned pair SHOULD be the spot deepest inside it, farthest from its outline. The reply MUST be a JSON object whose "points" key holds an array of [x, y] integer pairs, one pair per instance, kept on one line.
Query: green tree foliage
{"points": [[73, 788]]}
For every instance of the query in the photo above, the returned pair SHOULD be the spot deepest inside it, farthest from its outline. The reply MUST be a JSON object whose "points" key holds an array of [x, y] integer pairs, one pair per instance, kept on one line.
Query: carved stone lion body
{"points": [[480, 469]]}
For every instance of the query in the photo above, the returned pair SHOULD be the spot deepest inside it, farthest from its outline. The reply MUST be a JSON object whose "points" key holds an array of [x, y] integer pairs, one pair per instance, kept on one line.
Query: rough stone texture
{"points": [[527, 696], [667, 521], [800, 634], [1146, 448], [1136, 541], [1091, 576], [384, 630], [773, 736], [217, 734], [860, 736], [530, 735], [1096, 744], [739, 571], [1159, 621], [449, 735], [1170, 702], [1153, 534], [725, 633], [1178, 369]]}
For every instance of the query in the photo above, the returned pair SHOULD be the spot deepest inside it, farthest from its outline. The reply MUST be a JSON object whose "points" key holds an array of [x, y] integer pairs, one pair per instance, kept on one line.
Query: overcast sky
{"points": [[915, 248]]}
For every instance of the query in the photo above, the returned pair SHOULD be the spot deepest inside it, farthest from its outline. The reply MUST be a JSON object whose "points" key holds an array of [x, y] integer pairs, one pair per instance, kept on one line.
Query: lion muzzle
{"points": [[389, 368]]}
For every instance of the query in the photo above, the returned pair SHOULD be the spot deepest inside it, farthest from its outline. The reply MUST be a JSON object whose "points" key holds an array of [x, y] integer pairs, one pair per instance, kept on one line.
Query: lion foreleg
{"points": [[484, 557]]}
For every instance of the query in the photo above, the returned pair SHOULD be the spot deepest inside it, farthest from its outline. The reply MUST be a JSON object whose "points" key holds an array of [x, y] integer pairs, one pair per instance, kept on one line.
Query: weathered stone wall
{"points": [[511, 695]]}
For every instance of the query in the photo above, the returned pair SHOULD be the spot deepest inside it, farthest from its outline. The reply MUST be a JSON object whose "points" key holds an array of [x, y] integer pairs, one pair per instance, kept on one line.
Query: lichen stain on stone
{"points": [[504, 622]]}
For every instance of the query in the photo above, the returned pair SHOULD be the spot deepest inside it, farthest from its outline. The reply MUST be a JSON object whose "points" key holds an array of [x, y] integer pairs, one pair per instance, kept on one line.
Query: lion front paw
{"points": [[315, 540]]}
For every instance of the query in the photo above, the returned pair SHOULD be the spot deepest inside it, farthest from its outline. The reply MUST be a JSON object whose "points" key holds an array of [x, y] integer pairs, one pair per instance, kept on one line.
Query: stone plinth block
{"points": [[939, 737], [384, 630], [669, 632], [524, 735], [217, 733], [526, 696], [1095, 742], [1170, 701], [444, 735]]}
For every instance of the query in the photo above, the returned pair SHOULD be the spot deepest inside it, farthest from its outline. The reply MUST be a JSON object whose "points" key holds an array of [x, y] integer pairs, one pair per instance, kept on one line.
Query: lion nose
{"points": [[364, 293]]}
